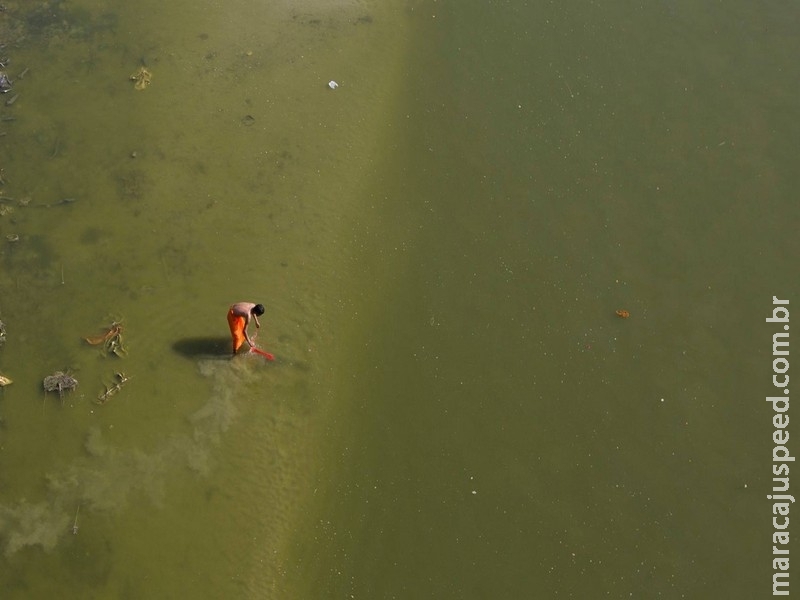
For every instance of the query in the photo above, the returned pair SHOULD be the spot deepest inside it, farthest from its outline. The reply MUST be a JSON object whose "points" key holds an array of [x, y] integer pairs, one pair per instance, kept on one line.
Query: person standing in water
{"points": [[239, 316]]}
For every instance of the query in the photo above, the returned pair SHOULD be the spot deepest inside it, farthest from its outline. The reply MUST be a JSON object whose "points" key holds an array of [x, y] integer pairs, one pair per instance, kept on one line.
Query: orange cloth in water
{"points": [[237, 324]]}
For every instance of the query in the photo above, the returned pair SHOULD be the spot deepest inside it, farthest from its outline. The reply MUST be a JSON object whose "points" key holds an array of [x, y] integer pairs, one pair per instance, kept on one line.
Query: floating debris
{"points": [[332, 84], [110, 339], [121, 379], [114, 329], [75, 522], [141, 78], [2, 333], [622, 313], [4, 381], [5, 83], [59, 382]]}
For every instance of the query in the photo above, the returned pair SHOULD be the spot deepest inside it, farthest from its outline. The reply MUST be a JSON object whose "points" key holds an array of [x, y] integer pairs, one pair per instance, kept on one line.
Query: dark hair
{"points": [[258, 310]]}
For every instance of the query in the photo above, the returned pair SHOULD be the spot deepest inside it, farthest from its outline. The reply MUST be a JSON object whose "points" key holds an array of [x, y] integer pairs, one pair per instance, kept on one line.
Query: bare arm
{"points": [[246, 325]]}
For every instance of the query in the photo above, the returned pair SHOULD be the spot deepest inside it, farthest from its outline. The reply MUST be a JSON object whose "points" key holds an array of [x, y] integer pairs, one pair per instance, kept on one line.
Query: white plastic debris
{"points": [[332, 84]]}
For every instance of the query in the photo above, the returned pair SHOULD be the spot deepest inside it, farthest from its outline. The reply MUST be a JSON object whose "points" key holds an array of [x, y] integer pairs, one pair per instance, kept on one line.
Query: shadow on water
{"points": [[203, 347]]}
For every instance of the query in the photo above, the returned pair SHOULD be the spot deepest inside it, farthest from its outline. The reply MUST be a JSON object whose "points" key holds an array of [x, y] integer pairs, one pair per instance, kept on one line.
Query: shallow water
{"points": [[441, 243], [234, 176]]}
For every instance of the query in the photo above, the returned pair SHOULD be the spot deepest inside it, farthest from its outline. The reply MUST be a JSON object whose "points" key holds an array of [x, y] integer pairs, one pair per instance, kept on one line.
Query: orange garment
{"points": [[237, 324]]}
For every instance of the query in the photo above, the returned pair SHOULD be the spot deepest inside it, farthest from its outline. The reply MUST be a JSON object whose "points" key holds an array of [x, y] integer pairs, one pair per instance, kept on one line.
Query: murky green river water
{"points": [[441, 243]]}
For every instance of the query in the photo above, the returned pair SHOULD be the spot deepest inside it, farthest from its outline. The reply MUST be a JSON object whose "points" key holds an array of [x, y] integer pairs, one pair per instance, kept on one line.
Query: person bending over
{"points": [[239, 316]]}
